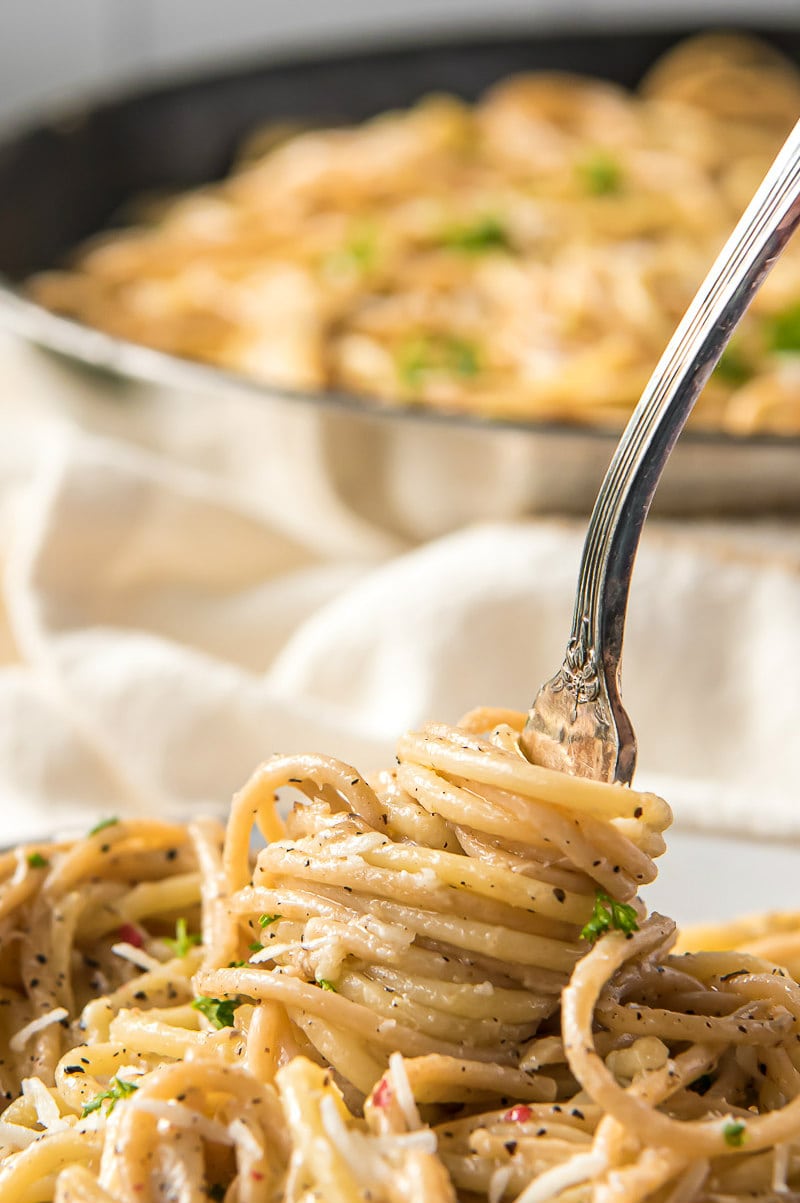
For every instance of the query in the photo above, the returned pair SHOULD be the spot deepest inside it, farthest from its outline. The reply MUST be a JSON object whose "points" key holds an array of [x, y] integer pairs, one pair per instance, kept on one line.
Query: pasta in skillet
{"points": [[441, 986], [527, 257]]}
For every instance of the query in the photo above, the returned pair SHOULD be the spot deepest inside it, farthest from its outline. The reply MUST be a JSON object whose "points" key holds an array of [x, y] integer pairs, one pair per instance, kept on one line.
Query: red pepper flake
{"points": [[256, 1176], [382, 1095], [518, 1115], [129, 934]]}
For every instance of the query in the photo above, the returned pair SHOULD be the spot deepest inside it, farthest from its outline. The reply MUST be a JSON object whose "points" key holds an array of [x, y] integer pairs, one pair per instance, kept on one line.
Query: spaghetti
{"points": [[571, 218], [439, 986]]}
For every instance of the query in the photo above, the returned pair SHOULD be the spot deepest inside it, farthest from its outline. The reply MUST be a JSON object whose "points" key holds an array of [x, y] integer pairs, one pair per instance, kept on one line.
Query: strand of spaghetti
{"points": [[256, 802], [407, 819], [433, 1077], [444, 930], [78, 1185], [44, 1159], [88, 856], [343, 1050], [545, 864], [197, 1082], [339, 1011], [592, 846], [462, 904], [514, 1006], [500, 943], [697, 1138], [409, 873], [208, 839], [20, 885], [171, 980], [177, 893], [737, 1028], [454, 753], [302, 1087], [78, 1074], [482, 1030]]}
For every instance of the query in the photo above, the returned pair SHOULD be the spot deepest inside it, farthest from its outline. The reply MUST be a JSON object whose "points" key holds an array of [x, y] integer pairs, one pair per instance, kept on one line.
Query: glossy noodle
{"points": [[526, 257], [440, 985]]}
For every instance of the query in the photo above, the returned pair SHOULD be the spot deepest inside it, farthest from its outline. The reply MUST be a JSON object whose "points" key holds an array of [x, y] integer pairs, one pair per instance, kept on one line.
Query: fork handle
{"points": [[625, 495]]}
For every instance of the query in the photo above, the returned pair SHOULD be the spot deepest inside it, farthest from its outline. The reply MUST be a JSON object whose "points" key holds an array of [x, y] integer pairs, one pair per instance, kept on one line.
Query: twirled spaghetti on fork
{"points": [[441, 985]]}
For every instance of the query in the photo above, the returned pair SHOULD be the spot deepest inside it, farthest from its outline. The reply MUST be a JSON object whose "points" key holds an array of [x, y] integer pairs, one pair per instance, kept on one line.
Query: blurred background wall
{"points": [[50, 49]]}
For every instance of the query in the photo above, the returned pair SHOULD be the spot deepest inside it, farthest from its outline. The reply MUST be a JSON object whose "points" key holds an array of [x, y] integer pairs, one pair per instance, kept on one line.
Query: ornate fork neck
{"points": [[578, 723]]}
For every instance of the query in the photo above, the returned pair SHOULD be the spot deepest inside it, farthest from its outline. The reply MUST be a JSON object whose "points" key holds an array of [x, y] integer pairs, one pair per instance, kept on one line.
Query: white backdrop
{"points": [[50, 49]]}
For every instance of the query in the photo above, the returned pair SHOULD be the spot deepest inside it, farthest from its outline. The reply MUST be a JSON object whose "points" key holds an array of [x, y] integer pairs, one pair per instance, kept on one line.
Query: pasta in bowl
{"points": [[524, 258], [441, 985]]}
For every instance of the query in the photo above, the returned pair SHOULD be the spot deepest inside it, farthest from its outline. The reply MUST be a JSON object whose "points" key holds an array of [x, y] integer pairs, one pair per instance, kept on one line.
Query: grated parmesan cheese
{"points": [[269, 951], [780, 1169], [358, 1154], [47, 1109], [20, 1039], [403, 1092], [242, 1135], [176, 1115], [498, 1183], [136, 956], [552, 1182]]}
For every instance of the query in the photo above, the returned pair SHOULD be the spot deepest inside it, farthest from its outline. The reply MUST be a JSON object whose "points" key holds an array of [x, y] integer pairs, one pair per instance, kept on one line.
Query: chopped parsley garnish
{"points": [[600, 174], [782, 330], [325, 984], [734, 1133], [37, 861], [484, 234], [184, 940], [733, 366], [218, 1011], [118, 1089], [358, 254], [608, 914], [256, 946], [101, 826], [265, 920], [435, 354]]}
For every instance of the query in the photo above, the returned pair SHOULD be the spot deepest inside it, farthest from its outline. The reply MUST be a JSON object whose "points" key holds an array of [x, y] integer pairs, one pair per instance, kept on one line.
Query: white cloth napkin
{"points": [[162, 635]]}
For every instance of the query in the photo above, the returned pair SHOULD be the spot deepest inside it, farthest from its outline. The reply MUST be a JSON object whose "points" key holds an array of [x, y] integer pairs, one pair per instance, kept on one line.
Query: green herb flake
{"points": [[436, 354], [256, 946], [734, 1133], [609, 914], [484, 234], [358, 254], [600, 174], [218, 1011], [101, 826], [37, 861], [118, 1089], [184, 940], [782, 331], [265, 920], [325, 984]]}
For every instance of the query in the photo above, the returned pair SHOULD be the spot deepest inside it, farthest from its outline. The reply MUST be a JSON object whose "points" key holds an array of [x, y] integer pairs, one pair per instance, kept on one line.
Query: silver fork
{"points": [[578, 723]]}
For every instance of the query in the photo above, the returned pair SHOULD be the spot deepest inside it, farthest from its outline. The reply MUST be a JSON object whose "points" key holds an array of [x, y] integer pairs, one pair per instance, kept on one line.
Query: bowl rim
{"points": [[85, 347]]}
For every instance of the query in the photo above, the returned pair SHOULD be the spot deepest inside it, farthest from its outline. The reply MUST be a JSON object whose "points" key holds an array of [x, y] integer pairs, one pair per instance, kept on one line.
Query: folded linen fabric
{"points": [[162, 632]]}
